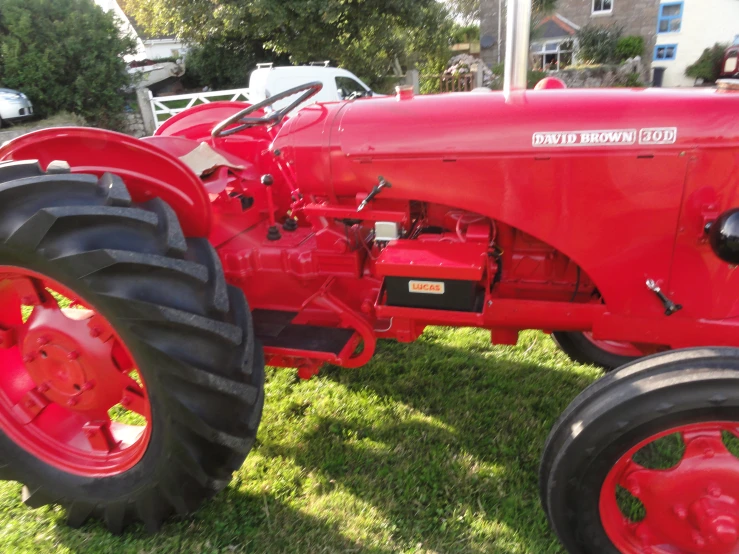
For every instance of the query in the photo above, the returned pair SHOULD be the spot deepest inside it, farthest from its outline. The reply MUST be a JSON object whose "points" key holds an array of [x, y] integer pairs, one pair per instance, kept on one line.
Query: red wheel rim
{"points": [[69, 393], [692, 508], [615, 347]]}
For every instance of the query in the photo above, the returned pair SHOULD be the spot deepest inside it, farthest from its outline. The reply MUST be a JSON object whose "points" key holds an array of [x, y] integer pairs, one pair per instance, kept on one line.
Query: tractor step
{"points": [[270, 323], [274, 329]]}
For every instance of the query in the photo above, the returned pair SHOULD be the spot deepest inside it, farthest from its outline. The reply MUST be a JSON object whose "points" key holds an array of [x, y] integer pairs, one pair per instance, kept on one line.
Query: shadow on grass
{"points": [[233, 522], [457, 469], [432, 447]]}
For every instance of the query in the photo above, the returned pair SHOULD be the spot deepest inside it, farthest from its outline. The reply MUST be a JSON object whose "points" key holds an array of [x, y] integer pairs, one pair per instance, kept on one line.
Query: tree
{"points": [[222, 63], [598, 44], [469, 10], [366, 36], [708, 66], [65, 55]]}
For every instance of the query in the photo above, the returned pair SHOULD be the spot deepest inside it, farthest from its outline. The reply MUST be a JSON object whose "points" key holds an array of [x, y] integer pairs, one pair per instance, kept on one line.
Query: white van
{"points": [[338, 84]]}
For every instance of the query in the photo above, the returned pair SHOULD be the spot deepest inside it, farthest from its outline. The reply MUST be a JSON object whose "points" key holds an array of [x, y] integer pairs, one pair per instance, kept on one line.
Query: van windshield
{"points": [[348, 87]]}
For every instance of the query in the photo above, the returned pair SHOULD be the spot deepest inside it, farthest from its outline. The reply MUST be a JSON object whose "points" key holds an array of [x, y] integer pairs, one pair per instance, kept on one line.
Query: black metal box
{"points": [[433, 294]]}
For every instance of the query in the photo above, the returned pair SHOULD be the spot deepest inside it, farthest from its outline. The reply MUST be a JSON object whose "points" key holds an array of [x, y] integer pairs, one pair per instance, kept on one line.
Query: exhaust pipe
{"points": [[518, 28]]}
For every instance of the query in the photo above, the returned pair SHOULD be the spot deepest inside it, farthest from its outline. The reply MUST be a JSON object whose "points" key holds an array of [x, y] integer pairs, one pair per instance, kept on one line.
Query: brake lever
{"points": [[377, 189]]}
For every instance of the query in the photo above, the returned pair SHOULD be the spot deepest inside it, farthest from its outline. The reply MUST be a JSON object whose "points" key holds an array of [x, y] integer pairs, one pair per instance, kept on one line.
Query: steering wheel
{"points": [[309, 90]]}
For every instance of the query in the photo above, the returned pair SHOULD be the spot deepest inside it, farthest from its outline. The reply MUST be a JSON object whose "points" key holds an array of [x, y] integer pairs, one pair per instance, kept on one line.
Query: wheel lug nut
{"points": [[71, 402], [41, 341], [28, 358], [88, 386], [680, 512], [27, 300], [698, 540], [633, 486], [708, 453], [73, 355], [95, 332], [125, 401], [714, 491], [43, 387]]}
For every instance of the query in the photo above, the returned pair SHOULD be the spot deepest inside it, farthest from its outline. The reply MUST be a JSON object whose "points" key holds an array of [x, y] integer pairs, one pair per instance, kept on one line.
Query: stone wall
{"points": [[600, 76], [133, 124]]}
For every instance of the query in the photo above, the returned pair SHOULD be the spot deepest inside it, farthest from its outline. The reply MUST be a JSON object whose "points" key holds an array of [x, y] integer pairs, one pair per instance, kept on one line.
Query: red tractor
{"points": [[145, 284]]}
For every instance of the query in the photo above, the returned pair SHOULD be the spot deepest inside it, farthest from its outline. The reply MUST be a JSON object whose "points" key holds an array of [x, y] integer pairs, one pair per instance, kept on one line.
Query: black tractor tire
{"points": [[583, 351], [617, 413], [189, 333]]}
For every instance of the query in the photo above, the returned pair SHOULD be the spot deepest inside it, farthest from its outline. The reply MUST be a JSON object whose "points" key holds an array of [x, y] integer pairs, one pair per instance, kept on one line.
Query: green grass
{"points": [[432, 447], [62, 119]]}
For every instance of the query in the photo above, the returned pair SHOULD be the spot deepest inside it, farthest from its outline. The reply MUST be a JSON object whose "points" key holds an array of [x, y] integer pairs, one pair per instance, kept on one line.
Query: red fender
{"points": [[148, 171]]}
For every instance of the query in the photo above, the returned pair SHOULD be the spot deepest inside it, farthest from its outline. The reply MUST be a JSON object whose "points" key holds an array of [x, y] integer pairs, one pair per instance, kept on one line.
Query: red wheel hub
{"points": [[691, 508], [65, 371]]}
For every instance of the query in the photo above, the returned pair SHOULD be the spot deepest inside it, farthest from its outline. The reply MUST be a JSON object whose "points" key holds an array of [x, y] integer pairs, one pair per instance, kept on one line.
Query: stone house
{"points": [[553, 38]]}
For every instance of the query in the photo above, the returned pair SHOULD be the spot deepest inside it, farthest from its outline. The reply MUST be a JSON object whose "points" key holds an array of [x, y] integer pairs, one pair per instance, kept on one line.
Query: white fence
{"points": [[164, 107]]}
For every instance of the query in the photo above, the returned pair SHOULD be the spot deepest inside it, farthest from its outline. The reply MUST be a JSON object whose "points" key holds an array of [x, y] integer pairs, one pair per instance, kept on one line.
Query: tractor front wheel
{"points": [[645, 459], [131, 386]]}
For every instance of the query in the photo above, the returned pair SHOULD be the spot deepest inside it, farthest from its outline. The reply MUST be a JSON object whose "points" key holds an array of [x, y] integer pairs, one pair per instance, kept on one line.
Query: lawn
{"points": [[432, 447]]}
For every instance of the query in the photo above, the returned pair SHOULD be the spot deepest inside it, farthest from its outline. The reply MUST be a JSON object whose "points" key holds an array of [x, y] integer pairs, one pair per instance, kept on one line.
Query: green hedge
{"points": [[708, 66], [65, 55]]}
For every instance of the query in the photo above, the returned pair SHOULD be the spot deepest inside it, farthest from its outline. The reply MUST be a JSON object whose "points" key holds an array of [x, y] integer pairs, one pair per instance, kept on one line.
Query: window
{"points": [[552, 56], [670, 18], [348, 86], [602, 6], [664, 52]]}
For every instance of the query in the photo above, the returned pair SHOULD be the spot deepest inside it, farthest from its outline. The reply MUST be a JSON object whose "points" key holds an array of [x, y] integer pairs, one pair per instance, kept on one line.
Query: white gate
{"points": [[164, 107]]}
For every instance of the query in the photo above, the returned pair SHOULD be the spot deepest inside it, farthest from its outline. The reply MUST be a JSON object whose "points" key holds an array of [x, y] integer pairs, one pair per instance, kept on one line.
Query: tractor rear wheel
{"points": [[645, 459], [131, 386], [584, 349]]}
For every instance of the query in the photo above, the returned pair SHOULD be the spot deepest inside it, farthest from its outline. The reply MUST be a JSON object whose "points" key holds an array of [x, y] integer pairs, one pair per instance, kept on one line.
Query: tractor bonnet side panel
{"points": [[698, 274], [597, 174]]}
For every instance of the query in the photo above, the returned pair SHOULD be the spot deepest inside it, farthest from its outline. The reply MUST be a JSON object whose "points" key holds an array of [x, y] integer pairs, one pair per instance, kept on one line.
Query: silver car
{"points": [[14, 106]]}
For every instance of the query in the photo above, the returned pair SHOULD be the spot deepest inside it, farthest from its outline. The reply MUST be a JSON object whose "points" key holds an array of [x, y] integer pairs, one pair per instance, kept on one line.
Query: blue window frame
{"points": [[670, 17], [665, 52]]}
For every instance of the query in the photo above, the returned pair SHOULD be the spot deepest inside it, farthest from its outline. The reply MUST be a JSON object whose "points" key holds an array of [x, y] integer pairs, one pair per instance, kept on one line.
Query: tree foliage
{"points": [[708, 66], [366, 36], [220, 63], [65, 55], [465, 33], [629, 47], [469, 10], [598, 45]]}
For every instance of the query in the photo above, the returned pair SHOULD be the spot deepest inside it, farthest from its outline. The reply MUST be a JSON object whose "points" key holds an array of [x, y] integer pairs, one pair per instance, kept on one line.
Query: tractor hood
{"points": [[344, 147]]}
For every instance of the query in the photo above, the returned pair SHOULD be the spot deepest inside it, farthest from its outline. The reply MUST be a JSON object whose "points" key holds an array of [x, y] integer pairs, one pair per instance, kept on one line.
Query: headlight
{"points": [[10, 97]]}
